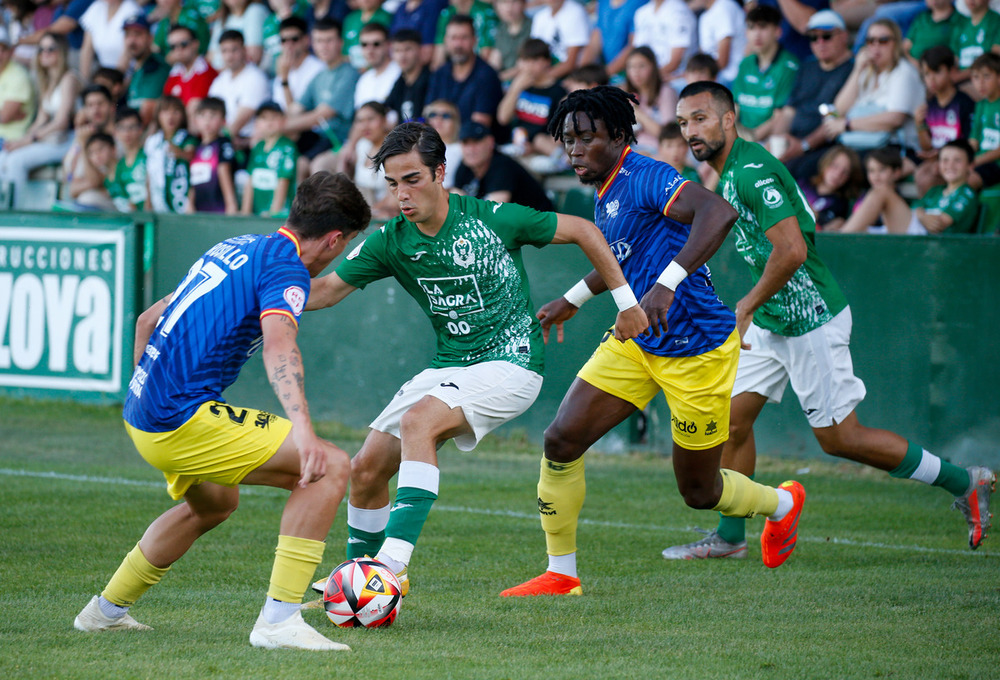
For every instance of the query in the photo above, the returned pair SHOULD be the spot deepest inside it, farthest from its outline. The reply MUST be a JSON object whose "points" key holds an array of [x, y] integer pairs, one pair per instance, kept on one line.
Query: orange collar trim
{"points": [[614, 172], [294, 239]]}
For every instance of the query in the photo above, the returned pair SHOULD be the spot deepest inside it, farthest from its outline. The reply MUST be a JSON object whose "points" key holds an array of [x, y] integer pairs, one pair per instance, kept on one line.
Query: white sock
{"points": [[563, 564], [395, 554], [372, 521], [785, 504], [110, 609], [276, 611]]}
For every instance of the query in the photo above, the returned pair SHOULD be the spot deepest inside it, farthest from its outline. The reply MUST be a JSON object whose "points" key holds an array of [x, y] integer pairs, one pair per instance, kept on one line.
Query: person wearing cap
{"points": [[271, 166], [147, 71], [17, 94], [801, 120], [242, 85], [489, 174]]}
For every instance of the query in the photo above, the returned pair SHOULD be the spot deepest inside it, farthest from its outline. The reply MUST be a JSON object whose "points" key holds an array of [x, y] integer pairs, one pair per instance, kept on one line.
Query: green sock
{"points": [[361, 543], [923, 466], [732, 529], [409, 513]]}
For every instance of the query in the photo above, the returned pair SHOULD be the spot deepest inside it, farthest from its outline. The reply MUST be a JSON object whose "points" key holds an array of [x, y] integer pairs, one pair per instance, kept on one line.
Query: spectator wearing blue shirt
{"points": [[465, 78], [611, 39], [421, 16]]}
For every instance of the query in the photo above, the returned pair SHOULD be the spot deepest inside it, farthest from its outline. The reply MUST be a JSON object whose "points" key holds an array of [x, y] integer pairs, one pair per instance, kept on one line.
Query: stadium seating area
{"points": [[222, 106]]}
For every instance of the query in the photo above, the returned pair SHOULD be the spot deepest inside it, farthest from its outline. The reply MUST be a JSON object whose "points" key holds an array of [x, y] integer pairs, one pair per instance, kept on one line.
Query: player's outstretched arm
{"points": [[563, 308], [145, 325], [631, 321], [283, 362], [326, 291]]}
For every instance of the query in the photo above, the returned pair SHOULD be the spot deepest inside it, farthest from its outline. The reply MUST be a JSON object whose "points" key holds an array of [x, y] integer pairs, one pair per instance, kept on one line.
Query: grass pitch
{"points": [[882, 584]]}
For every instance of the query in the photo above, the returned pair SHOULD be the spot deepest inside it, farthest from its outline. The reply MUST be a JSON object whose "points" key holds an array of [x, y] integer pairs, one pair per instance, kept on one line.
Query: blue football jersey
{"points": [[212, 326], [631, 211]]}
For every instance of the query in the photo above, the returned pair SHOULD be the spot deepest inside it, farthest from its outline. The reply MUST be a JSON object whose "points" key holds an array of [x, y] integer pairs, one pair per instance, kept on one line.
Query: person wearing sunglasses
{"points": [[876, 105], [380, 71], [190, 76]]}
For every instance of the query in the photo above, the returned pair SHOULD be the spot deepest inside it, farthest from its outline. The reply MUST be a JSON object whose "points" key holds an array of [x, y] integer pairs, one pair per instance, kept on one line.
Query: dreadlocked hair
{"points": [[604, 102]]}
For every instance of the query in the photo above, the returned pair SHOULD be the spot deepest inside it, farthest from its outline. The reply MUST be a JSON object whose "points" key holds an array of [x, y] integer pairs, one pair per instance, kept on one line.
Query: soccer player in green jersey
{"points": [[795, 326], [460, 258], [272, 166]]}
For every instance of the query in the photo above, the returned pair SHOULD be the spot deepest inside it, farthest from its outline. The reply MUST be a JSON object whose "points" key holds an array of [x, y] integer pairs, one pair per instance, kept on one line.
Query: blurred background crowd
{"points": [[886, 113]]}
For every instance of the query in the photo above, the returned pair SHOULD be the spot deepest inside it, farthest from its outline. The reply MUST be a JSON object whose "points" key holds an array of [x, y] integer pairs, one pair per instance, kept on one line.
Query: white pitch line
{"points": [[9, 472]]}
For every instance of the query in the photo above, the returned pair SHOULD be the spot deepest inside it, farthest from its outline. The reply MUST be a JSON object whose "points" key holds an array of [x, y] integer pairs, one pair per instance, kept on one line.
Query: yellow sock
{"points": [[743, 497], [134, 577], [295, 562], [561, 489]]}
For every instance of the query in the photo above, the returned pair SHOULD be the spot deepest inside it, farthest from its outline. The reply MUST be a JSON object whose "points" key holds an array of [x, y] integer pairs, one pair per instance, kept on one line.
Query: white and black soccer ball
{"points": [[362, 592]]}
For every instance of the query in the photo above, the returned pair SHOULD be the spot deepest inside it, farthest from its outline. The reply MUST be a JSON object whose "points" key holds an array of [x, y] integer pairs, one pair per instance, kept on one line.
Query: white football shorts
{"points": [[818, 364], [489, 394]]}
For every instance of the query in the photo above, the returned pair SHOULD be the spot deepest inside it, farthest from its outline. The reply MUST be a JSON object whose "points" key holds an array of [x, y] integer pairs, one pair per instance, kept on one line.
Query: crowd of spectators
{"points": [[887, 113]]}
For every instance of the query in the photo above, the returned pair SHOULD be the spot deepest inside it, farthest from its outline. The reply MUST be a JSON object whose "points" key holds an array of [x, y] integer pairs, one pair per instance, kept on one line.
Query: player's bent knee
{"points": [[559, 446], [698, 496], [368, 470]]}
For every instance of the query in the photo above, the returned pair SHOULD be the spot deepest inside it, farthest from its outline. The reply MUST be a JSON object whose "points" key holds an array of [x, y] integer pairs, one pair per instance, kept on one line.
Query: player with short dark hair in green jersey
{"points": [[795, 326], [460, 258]]}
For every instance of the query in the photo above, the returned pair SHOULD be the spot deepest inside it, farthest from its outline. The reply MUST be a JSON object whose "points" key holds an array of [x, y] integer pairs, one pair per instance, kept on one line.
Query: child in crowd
{"points": [[881, 208], [945, 117], [99, 152], [530, 100], [127, 182], [985, 137], [169, 151], [272, 165], [673, 150], [443, 116], [766, 75], [372, 125], [975, 36], [212, 187], [833, 190], [114, 80], [953, 208], [934, 26], [701, 67]]}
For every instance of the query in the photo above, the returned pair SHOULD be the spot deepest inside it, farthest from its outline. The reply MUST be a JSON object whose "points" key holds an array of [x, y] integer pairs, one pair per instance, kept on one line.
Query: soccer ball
{"points": [[362, 592]]}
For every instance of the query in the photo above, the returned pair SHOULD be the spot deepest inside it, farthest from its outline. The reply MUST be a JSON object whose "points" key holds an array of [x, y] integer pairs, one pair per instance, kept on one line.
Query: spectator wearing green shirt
{"points": [[985, 137], [272, 166], [368, 11], [766, 76], [127, 182], [172, 13], [934, 26], [975, 35], [147, 69]]}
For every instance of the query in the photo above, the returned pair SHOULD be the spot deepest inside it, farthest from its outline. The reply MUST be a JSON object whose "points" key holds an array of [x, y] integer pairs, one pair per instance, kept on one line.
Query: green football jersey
{"points": [[925, 32], [961, 205], [266, 167], [469, 278], [986, 125], [764, 193], [127, 186], [969, 41], [484, 20], [759, 93]]}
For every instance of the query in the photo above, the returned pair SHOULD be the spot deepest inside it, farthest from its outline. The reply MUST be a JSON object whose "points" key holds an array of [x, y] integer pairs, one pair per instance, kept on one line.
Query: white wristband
{"points": [[672, 276], [578, 294], [624, 297]]}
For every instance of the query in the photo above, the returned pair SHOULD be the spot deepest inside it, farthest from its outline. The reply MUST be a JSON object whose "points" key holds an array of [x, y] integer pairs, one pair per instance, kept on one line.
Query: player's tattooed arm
{"points": [[145, 324], [283, 362]]}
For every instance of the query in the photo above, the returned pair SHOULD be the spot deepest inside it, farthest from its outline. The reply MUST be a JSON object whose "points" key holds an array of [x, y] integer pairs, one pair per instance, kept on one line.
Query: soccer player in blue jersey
{"points": [[663, 229], [245, 294]]}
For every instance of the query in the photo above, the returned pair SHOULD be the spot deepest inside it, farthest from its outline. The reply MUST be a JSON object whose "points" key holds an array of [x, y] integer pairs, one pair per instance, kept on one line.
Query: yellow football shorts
{"points": [[220, 443], [698, 388]]}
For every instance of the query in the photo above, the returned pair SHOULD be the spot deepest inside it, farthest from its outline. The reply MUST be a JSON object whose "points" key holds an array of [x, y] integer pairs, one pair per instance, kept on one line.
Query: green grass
{"points": [[882, 584]]}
